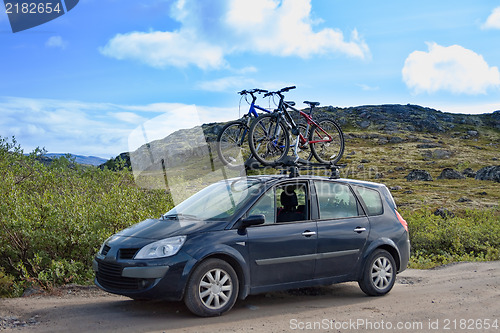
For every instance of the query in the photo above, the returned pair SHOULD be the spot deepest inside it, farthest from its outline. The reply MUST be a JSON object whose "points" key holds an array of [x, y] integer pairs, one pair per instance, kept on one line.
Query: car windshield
{"points": [[219, 201]]}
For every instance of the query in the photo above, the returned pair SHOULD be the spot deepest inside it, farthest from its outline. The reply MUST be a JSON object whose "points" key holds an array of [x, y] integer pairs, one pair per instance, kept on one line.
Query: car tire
{"points": [[379, 274], [212, 288]]}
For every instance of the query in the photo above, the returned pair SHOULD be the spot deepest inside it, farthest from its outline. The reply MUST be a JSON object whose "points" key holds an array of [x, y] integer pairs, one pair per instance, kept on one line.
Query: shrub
{"points": [[54, 217], [468, 236]]}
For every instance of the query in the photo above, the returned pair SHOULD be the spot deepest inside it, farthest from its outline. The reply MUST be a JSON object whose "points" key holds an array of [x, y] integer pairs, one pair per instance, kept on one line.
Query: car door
{"points": [[342, 229], [283, 249]]}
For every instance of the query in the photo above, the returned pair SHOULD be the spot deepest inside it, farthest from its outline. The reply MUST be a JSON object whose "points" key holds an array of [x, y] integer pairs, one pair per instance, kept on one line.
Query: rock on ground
{"points": [[489, 173], [449, 173], [469, 172], [419, 175]]}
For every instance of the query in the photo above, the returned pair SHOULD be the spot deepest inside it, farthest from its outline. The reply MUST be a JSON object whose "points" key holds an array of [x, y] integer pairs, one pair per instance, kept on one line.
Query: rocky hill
{"points": [[412, 118], [384, 123], [425, 156]]}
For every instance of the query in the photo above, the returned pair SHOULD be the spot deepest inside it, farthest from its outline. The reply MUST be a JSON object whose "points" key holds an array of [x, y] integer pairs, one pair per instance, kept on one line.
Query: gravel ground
{"points": [[462, 297]]}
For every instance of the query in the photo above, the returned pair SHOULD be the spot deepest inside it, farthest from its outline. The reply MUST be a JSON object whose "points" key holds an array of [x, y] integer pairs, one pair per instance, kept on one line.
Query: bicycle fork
{"points": [[297, 141], [295, 132]]}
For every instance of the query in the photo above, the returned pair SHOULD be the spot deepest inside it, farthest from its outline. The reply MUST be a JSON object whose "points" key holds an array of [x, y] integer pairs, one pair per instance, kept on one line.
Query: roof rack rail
{"points": [[292, 166]]}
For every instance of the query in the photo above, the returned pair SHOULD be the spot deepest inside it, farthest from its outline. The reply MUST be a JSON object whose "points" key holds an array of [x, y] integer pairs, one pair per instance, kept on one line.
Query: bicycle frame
{"points": [[281, 112], [310, 121], [252, 112]]}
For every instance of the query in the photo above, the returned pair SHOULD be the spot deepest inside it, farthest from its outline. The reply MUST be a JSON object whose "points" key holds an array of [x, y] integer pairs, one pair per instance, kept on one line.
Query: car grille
{"points": [[110, 277], [127, 253]]}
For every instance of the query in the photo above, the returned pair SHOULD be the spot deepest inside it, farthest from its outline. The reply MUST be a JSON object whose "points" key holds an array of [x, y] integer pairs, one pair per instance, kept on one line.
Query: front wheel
{"points": [[268, 139], [232, 144], [327, 141], [212, 289], [379, 274]]}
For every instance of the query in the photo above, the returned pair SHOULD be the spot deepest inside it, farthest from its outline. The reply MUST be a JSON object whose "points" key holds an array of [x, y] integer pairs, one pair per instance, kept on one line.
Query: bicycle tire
{"points": [[327, 152], [232, 144], [269, 139]]}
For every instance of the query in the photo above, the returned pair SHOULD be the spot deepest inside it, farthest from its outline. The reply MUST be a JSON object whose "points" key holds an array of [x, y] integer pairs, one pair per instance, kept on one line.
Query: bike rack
{"points": [[292, 166]]}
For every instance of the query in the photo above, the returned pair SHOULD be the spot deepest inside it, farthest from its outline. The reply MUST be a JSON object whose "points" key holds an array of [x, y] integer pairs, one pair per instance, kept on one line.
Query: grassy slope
{"points": [[393, 162]]}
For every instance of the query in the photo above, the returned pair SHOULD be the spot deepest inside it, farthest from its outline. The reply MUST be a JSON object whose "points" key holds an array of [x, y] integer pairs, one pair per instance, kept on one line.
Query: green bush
{"points": [[6, 284], [53, 218], [472, 235]]}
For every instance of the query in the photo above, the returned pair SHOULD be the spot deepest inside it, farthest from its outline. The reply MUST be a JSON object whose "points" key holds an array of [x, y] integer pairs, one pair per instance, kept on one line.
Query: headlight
{"points": [[163, 248], [102, 250]]}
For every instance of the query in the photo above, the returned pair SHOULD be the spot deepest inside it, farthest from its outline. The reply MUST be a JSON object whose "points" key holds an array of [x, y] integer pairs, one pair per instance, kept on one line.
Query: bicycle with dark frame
{"points": [[269, 135]]}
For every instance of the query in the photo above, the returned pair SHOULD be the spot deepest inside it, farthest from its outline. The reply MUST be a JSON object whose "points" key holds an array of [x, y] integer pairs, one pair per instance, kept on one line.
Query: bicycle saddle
{"points": [[312, 103]]}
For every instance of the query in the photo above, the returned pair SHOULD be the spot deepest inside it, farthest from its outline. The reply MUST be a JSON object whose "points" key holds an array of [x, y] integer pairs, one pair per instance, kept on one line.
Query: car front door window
{"points": [[265, 206]]}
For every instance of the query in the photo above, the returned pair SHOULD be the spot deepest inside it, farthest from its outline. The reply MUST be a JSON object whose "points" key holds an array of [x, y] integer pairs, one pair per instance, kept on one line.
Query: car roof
{"points": [[268, 179]]}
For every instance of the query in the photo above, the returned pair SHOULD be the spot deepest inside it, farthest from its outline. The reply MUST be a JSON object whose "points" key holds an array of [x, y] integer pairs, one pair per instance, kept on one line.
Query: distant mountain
{"points": [[88, 160]]}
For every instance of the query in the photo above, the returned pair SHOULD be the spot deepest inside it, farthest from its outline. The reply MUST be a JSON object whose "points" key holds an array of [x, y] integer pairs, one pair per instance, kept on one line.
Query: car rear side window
{"points": [[372, 200], [335, 200]]}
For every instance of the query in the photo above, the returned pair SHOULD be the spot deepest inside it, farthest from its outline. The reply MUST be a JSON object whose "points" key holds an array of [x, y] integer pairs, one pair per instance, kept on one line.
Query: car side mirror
{"points": [[253, 220]]}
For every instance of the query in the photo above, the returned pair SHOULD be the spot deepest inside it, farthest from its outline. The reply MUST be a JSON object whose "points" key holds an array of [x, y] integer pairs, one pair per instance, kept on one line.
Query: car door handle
{"points": [[359, 230], [308, 233]]}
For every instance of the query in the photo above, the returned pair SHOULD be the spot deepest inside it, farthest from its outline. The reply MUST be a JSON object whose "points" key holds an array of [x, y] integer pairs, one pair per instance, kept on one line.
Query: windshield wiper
{"points": [[178, 216]]}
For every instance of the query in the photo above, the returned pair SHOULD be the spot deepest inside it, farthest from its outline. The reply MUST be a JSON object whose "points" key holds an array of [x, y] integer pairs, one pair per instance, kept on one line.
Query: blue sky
{"points": [[84, 81]]}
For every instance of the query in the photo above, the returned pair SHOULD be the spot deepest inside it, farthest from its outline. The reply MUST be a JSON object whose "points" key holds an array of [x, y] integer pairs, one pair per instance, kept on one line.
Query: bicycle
{"points": [[269, 138], [232, 143]]}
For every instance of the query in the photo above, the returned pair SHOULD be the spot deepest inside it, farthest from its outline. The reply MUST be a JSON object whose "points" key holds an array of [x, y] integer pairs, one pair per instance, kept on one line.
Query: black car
{"points": [[256, 234]]}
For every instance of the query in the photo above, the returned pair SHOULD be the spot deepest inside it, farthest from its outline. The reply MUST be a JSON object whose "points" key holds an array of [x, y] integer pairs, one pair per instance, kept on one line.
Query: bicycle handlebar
{"points": [[287, 88], [279, 91], [244, 92]]}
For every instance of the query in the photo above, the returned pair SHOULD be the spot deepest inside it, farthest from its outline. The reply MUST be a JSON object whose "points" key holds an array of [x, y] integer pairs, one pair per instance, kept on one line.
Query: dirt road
{"points": [[458, 298]]}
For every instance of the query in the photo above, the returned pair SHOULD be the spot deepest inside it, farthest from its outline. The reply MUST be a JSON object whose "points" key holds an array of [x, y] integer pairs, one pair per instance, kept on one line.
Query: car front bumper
{"points": [[142, 279]]}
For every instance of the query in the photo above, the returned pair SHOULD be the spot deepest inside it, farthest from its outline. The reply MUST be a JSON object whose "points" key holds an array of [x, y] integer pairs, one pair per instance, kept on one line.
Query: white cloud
{"points": [[453, 68], [493, 21], [246, 70], [211, 31], [128, 117], [367, 87], [63, 126], [236, 83], [161, 49], [99, 129], [285, 28], [56, 41]]}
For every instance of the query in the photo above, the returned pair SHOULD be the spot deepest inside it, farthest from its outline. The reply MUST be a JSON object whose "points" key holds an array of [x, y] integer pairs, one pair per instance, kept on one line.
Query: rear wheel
{"points": [[212, 289], [379, 274], [232, 144], [269, 139], [330, 145]]}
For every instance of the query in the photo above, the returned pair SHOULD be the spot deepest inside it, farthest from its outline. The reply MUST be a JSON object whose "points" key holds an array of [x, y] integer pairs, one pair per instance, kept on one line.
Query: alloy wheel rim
{"points": [[215, 289]]}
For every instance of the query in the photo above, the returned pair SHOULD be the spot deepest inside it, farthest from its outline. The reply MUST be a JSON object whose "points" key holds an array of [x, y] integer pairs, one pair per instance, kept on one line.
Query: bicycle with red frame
{"points": [[269, 135]]}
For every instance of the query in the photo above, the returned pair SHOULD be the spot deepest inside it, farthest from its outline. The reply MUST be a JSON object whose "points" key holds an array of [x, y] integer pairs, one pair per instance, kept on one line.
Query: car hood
{"points": [[159, 229]]}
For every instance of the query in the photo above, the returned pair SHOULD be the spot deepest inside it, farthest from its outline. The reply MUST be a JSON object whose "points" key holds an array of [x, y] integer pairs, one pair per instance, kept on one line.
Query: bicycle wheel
{"points": [[268, 139], [324, 150], [232, 144], [304, 150]]}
